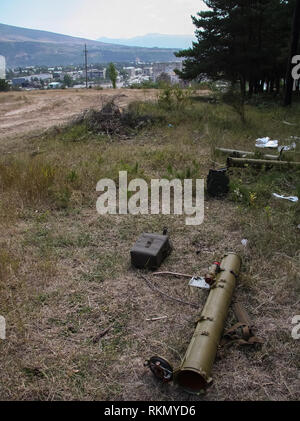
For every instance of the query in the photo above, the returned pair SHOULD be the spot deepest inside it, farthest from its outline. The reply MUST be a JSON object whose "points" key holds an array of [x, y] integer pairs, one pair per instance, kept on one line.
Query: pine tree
{"points": [[4, 86], [241, 40], [112, 74]]}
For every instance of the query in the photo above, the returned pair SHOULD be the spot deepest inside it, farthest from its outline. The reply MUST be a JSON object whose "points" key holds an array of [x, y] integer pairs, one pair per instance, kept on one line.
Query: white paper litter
{"points": [[290, 198], [199, 283], [266, 142], [245, 242]]}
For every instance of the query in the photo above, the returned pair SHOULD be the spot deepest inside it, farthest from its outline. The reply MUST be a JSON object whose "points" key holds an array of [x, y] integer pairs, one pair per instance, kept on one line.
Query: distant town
{"points": [[94, 76]]}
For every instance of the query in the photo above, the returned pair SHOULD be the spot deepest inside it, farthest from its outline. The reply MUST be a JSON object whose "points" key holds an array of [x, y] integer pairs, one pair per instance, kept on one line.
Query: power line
{"points": [[86, 75]]}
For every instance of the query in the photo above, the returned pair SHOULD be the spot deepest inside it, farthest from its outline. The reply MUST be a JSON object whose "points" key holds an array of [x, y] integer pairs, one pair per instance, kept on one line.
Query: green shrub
{"points": [[4, 86]]}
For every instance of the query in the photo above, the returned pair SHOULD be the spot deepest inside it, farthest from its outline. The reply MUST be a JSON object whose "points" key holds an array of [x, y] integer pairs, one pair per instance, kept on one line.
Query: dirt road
{"points": [[23, 112]]}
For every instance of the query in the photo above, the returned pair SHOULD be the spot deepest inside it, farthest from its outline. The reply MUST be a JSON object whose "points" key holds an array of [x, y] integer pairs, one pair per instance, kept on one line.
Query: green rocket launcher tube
{"points": [[194, 374]]}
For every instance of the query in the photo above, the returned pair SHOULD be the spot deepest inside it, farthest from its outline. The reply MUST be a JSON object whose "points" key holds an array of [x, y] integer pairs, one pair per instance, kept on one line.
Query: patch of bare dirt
{"points": [[24, 112]]}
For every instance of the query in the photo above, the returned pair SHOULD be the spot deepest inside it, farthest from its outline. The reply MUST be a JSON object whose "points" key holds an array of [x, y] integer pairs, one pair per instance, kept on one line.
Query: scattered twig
{"points": [[168, 346], [183, 275], [288, 389], [101, 335], [284, 255], [264, 384], [263, 303], [36, 153], [154, 288], [154, 319]]}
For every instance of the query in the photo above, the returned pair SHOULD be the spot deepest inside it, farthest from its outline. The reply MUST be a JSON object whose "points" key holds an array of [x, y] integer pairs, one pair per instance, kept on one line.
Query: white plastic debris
{"points": [[266, 142], [290, 198], [287, 148], [244, 242], [289, 124]]}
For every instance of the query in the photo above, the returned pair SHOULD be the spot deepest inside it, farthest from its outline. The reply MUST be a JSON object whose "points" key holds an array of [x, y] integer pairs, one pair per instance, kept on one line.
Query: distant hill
{"points": [[28, 47], [154, 40]]}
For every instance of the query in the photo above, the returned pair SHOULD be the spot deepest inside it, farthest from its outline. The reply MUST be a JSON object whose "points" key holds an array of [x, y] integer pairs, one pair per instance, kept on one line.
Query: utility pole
{"points": [[293, 52], [86, 67]]}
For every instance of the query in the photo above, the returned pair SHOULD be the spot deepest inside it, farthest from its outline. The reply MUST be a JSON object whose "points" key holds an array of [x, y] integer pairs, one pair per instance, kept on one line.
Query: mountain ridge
{"points": [[28, 47], [153, 40]]}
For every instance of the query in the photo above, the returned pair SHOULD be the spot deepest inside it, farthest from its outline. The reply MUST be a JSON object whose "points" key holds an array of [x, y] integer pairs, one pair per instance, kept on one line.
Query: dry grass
{"points": [[65, 275]]}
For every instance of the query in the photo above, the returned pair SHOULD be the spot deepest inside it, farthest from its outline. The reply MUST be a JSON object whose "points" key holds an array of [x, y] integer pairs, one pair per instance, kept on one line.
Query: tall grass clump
{"points": [[173, 97], [35, 182], [236, 101]]}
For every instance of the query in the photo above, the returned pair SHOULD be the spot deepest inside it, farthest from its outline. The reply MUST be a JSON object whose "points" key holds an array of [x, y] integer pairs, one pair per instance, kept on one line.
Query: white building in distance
{"points": [[2, 67]]}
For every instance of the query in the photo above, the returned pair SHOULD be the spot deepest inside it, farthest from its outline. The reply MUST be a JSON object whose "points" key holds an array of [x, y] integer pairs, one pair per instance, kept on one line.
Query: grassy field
{"points": [[78, 315]]}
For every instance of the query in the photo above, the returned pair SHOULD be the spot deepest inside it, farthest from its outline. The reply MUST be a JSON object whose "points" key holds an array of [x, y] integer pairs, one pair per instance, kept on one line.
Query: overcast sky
{"points": [[97, 18]]}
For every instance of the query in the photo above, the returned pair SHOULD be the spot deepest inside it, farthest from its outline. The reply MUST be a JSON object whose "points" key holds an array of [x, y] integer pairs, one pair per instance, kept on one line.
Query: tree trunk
{"points": [[278, 85], [293, 52], [243, 86], [251, 88]]}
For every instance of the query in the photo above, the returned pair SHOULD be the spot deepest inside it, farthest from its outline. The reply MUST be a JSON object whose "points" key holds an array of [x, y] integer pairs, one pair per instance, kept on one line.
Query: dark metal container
{"points": [[217, 183], [150, 251]]}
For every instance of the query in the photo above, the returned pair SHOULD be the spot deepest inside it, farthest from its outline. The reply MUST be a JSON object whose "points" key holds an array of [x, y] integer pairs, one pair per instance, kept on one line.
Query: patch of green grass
{"points": [[75, 133], [32, 373], [83, 240], [42, 237], [254, 189], [109, 265], [45, 298], [191, 172]]}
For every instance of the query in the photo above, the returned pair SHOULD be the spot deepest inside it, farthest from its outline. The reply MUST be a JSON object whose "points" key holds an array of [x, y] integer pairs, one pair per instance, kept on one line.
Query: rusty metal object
{"points": [[210, 277], [195, 371], [241, 314], [241, 333]]}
